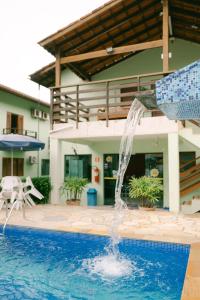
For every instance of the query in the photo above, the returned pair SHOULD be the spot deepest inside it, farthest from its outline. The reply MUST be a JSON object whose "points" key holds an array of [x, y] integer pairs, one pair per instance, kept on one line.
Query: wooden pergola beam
{"points": [[115, 51], [165, 36]]}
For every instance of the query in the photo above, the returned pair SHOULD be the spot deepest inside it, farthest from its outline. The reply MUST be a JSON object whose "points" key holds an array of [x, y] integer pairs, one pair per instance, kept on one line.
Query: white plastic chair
{"points": [[10, 186], [23, 197], [29, 189]]}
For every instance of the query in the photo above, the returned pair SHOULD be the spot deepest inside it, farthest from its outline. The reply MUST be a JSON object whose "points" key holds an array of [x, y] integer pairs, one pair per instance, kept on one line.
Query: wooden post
{"points": [[57, 69], [165, 36], [57, 82]]}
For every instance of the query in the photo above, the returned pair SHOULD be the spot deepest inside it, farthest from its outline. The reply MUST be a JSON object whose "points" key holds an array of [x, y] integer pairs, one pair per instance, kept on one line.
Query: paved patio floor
{"points": [[155, 225]]}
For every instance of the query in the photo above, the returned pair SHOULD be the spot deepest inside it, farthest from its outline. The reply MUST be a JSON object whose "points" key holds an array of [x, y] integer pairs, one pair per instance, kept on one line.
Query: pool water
{"points": [[41, 264]]}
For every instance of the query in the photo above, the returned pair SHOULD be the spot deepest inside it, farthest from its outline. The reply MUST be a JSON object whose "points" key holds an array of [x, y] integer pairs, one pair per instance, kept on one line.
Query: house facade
{"points": [[24, 115], [103, 62]]}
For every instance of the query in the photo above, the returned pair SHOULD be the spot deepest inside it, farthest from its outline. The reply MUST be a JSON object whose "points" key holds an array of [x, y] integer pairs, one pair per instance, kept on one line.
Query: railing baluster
{"points": [[77, 105], [107, 103], [138, 83], [51, 109]]}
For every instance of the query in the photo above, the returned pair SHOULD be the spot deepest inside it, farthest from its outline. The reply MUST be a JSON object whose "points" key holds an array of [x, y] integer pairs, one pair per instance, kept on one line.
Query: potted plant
{"points": [[145, 190], [73, 188]]}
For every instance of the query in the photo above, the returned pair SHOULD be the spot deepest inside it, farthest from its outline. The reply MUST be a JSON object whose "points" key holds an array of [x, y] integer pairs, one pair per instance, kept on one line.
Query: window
{"points": [[14, 123], [45, 167], [78, 166], [18, 166], [154, 164]]}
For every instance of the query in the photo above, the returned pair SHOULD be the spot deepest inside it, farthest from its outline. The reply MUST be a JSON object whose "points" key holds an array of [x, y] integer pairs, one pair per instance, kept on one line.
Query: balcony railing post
{"points": [[51, 109], [77, 105], [138, 83], [107, 103]]}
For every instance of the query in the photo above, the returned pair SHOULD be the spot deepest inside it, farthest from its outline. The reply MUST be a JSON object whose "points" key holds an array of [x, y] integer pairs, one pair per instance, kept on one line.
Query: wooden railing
{"points": [[20, 131], [102, 100], [189, 163], [190, 178], [197, 123]]}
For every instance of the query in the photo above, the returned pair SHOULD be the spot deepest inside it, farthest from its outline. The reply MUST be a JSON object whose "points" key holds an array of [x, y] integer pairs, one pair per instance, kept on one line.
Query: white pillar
{"points": [[165, 178], [55, 170], [1, 166], [173, 172]]}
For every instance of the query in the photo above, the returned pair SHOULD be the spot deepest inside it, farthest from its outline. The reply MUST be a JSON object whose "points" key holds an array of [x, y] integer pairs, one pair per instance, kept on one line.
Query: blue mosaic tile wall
{"points": [[178, 94]]}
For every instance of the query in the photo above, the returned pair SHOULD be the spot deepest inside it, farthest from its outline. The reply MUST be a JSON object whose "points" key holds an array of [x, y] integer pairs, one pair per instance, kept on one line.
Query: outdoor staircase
{"points": [[191, 132], [190, 171], [190, 182], [191, 206], [190, 178]]}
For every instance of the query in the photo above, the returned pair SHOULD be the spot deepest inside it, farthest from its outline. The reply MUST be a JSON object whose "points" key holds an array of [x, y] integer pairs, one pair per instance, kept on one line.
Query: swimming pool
{"points": [[44, 264]]}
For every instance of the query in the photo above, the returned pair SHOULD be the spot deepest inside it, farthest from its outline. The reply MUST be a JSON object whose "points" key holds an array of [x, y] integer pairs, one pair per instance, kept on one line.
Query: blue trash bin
{"points": [[92, 197]]}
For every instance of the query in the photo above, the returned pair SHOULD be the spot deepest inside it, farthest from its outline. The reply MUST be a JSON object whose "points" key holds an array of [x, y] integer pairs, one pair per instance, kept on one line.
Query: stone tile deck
{"points": [[156, 225]]}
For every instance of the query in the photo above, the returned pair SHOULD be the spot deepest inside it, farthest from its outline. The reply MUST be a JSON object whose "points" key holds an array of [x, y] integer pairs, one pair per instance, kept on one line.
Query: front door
{"points": [[136, 168]]}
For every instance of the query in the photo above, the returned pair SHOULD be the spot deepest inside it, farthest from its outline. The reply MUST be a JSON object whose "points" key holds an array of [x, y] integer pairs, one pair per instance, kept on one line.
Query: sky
{"points": [[23, 23]]}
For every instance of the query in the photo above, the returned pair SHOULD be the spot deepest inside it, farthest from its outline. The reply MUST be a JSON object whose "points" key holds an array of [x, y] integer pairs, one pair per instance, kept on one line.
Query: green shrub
{"points": [[43, 185], [146, 190]]}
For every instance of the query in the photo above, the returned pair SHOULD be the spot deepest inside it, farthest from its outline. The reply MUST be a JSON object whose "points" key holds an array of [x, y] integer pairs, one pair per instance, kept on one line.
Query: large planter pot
{"points": [[73, 202], [146, 208]]}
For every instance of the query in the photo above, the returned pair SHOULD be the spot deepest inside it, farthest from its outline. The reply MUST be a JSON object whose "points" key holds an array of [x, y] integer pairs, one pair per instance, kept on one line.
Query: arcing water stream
{"points": [[113, 264]]}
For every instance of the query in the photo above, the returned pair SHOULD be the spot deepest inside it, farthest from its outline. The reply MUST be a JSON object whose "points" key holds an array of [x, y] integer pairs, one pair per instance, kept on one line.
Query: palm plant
{"points": [[145, 190], [73, 187]]}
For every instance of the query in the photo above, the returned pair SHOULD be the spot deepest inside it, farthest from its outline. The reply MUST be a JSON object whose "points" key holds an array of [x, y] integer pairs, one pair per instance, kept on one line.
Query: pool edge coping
{"points": [[191, 286]]}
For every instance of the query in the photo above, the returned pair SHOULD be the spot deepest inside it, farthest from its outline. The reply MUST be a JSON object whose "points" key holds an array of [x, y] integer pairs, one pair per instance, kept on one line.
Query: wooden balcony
{"points": [[103, 100], [20, 131]]}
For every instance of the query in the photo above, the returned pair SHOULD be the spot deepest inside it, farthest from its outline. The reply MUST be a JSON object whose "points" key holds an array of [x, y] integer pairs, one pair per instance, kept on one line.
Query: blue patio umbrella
{"points": [[15, 142]]}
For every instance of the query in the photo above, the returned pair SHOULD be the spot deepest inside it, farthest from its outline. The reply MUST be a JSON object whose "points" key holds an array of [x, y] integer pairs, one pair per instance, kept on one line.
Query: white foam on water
{"points": [[109, 266]]}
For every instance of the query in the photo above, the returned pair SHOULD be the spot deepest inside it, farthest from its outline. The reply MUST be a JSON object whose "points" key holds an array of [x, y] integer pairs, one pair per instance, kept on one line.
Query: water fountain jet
{"points": [[113, 264]]}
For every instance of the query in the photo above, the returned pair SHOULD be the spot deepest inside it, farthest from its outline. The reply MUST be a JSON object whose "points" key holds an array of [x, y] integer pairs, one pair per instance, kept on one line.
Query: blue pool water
{"points": [[40, 264]]}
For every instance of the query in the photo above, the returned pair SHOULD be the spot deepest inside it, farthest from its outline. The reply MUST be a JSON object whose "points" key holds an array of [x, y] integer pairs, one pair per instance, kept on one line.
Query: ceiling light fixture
{"points": [[194, 26], [109, 50]]}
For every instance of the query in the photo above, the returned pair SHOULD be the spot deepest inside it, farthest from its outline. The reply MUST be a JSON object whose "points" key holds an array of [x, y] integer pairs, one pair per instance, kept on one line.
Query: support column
{"points": [[173, 172], [57, 69], [165, 178], [1, 166], [56, 168]]}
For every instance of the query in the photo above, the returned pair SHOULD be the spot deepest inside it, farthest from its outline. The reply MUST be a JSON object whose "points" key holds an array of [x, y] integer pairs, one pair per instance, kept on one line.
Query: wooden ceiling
{"points": [[117, 23]]}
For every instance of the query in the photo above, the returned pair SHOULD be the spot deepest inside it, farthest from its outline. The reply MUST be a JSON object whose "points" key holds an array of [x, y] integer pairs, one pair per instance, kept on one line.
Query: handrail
{"points": [[195, 122], [190, 176], [190, 170], [20, 131], [189, 162], [113, 79]]}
